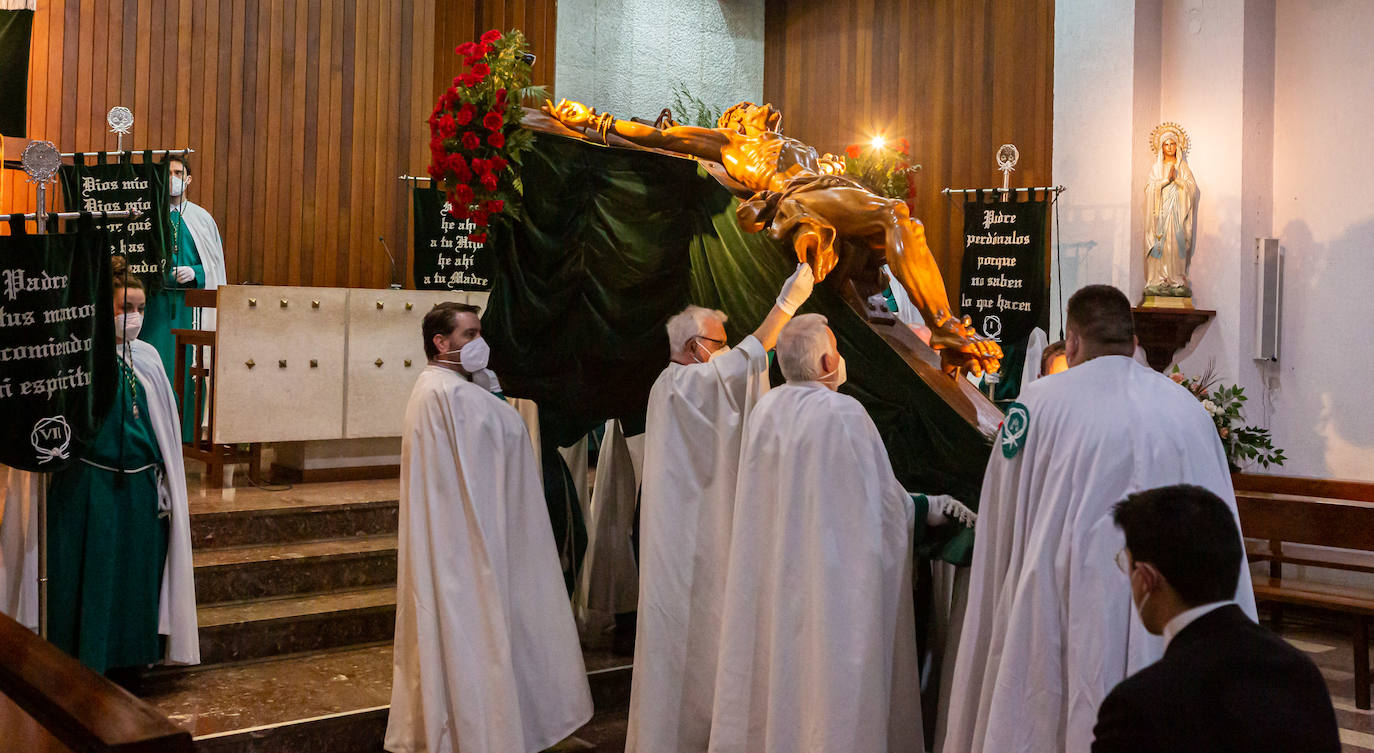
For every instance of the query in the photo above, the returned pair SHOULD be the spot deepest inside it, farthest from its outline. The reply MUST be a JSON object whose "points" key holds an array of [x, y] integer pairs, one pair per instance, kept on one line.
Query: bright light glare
{"points": [[879, 142]]}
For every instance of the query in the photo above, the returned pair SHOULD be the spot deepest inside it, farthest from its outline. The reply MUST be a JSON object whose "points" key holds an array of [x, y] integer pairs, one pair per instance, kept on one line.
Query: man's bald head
{"points": [[1100, 323]]}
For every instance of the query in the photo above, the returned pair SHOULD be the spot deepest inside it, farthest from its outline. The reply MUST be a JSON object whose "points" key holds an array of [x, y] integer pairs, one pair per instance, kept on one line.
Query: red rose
{"points": [[491, 36], [481, 70], [481, 166], [479, 217], [497, 163], [457, 212], [500, 96], [493, 121], [497, 140], [465, 49], [447, 128], [482, 49], [496, 206], [465, 114], [471, 141], [489, 181], [903, 147], [456, 163], [852, 151], [478, 238], [464, 195], [435, 171]]}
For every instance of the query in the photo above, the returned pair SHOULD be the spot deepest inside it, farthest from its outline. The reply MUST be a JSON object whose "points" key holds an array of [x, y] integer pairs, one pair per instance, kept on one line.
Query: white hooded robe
{"points": [[486, 655], [1050, 628], [818, 645], [693, 433]]}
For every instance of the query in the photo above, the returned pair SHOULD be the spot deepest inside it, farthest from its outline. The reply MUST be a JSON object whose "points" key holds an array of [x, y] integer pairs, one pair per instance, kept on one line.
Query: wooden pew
{"points": [[53, 703], [1309, 520]]}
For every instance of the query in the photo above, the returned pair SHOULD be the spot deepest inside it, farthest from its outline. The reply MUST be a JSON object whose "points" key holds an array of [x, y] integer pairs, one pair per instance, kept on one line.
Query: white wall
{"points": [[1275, 98], [1323, 407], [625, 56]]}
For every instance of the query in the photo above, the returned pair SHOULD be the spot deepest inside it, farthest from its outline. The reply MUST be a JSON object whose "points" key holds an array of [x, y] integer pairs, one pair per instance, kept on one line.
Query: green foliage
{"points": [[688, 109], [886, 170], [1243, 444]]}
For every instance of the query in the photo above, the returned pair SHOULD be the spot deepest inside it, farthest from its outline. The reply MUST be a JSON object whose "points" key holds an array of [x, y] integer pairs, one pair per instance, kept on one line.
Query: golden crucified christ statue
{"points": [[802, 197]]}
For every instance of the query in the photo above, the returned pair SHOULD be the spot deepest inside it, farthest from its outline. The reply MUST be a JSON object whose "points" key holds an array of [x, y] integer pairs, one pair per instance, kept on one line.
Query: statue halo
{"points": [[1157, 135]]}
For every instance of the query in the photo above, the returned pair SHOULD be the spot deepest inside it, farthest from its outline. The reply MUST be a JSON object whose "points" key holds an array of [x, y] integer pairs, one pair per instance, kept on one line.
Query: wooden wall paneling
{"points": [[238, 152], [302, 114], [128, 64]]}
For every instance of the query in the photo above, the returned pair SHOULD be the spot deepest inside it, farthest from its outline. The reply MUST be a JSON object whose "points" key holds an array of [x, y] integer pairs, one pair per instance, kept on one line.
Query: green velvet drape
{"points": [[614, 242]]}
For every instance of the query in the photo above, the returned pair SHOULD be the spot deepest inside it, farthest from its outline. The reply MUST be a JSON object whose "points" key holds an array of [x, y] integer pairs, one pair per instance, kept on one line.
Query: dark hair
{"points": [[178, 158], [441, 320], [1048, 355], [1189, 534], [1101, 315]]}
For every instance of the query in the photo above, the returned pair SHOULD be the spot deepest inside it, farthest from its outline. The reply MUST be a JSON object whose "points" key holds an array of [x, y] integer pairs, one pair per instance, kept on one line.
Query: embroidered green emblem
{"points": [[1014, 429]]}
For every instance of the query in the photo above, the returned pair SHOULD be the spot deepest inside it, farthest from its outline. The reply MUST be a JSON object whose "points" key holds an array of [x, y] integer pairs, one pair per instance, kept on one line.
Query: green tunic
{"points": [[167, 310], [107, 543]]}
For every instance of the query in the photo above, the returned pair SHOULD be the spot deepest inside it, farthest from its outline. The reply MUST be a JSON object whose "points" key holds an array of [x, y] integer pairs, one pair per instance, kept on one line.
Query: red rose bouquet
{"points": [[475, 134]]}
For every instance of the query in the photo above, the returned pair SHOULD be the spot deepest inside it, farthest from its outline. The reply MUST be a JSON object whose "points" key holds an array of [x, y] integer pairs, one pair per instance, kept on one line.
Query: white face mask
{"points": [[472, 357], [839, 374], [177, 187], [127, 326], [698, 347]]}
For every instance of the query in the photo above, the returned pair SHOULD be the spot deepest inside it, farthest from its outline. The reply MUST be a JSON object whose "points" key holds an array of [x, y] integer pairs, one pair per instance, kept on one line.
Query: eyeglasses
{"points": [[1123, 561], [710, 339]]}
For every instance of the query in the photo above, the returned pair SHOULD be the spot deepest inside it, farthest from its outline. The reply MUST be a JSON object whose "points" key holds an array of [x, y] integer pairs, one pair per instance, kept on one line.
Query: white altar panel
{"points": [[294, 389], [384, 326]]}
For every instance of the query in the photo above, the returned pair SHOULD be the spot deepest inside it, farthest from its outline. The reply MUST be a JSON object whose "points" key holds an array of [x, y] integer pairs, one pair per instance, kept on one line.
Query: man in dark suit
{"points": [[1225, 683]]}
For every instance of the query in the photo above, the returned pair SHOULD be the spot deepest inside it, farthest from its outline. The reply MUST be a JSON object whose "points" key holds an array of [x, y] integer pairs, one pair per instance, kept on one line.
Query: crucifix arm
{"points": [[705, 143]]}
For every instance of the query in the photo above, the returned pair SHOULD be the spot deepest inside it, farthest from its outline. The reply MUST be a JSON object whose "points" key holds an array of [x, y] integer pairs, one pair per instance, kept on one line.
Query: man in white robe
{"points": [[818, 642], [486, 654], [697, 412], [1049, 629]]}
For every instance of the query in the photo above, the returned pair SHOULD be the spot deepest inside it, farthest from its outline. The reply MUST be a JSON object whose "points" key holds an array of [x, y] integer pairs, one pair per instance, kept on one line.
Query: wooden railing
{"points": [[51, 702]]}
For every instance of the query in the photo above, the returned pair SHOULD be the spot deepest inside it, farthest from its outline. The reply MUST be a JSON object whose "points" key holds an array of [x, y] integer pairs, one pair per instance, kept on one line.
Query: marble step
{"points": [[270, 570], [235, 631], [333, 700], [239, 517]]}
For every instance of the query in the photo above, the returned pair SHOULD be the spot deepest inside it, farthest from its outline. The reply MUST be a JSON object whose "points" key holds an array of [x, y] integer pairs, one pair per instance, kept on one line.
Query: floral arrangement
{"points": [[1224, 405], [475, 134], [885, 169]]}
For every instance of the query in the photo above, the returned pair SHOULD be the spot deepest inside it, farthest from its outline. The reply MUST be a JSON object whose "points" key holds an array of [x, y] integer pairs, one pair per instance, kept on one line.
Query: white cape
{"points": [[1050, 628], [19, 546], [486, 655], [906, 311], [177, 606], [210, 246], [609, 582], [818, 645], [693, 433]]}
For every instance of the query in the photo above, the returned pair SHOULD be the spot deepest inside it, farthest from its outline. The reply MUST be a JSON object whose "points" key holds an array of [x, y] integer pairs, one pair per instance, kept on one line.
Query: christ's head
{"points": [[750, 119]]}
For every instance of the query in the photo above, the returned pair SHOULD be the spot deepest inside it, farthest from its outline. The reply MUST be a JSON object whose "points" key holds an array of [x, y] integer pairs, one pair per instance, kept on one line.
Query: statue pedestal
{"points": [[1164, 331]]}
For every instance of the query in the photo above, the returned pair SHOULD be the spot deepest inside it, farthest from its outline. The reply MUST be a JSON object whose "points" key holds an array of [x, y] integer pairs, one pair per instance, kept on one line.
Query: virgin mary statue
{"points": [[1170, 196]]}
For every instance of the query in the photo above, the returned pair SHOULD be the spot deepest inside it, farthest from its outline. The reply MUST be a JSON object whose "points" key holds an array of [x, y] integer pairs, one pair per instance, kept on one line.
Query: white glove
{"points": [[796, 289], [942, 507], [486, 378], [185, 274]]}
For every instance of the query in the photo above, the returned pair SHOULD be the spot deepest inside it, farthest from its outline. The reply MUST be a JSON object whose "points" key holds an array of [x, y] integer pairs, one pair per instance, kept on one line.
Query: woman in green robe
{"points": [[107, 540]]}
